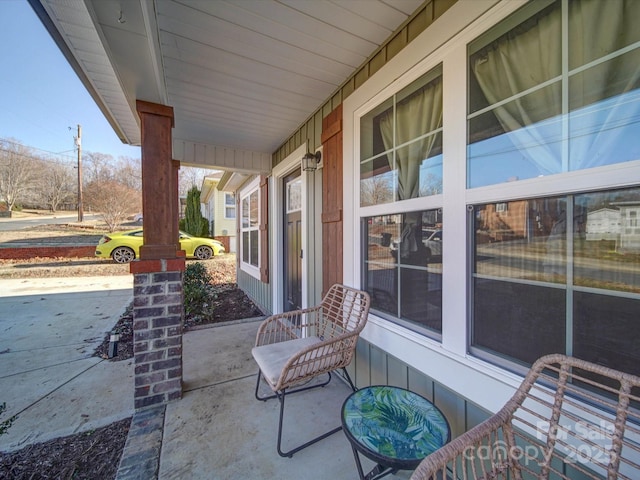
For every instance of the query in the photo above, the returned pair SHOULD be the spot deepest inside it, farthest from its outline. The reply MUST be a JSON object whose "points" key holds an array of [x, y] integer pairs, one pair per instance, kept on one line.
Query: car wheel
{"points": [[203, 253], [123, 255]]}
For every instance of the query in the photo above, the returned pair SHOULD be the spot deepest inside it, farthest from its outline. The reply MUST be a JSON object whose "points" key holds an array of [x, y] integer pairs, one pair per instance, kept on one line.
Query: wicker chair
{"points": [[293, 348], [569, 419]]}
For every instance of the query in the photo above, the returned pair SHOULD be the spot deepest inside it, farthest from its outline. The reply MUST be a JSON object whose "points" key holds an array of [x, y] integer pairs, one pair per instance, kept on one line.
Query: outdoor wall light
{"points": [[310, 161]]}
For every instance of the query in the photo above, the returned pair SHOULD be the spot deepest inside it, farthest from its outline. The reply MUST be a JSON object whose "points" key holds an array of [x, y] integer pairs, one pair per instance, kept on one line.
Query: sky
{"points": [[42, 101]]}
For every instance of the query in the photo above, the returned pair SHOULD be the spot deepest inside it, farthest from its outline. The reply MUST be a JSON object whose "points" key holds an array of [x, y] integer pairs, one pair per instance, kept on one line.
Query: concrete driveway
{"points": [[49, 329]]}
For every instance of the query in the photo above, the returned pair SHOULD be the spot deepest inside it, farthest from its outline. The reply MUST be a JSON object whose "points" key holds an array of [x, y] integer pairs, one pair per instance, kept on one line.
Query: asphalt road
{"points": [[12, 224]]}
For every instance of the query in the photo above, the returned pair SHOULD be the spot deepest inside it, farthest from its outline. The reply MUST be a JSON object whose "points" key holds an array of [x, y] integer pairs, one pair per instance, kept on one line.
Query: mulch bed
{"points": [[89, 455]]}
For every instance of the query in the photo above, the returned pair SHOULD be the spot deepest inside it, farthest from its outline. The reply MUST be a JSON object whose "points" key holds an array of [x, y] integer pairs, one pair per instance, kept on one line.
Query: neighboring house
{"points": [[219, 208], [503, 124], [603, 224], [629, 241]]}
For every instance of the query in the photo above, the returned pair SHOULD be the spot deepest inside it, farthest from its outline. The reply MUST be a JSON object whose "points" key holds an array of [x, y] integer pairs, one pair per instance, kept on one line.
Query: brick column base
{"points": [[158, 313]]}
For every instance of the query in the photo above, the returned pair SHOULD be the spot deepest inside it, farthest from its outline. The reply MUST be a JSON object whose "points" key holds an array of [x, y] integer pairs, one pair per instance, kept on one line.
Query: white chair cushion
{"points": [[272, 358]]}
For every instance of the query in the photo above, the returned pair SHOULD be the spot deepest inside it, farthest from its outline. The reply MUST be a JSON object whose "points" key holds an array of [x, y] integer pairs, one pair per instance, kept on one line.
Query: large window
{"points": [[559, 274], [554, 88], [249, 228], [403, 267], [401, 144], [400, 161]]}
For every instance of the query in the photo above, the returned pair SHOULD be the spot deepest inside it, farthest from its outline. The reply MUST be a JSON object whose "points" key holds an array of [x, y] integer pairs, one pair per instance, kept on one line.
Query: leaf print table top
{"points": [[393, 426]]}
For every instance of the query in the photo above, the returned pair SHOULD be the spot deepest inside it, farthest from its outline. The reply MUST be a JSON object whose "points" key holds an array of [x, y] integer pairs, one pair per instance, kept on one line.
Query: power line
{"points": [[7, 140]]}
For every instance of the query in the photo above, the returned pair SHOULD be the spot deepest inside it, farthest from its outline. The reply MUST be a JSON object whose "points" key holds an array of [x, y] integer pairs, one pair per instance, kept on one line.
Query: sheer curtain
{"points": [[531, 54], [609, 91], [416, 115], [419, 113], [514, 63]]}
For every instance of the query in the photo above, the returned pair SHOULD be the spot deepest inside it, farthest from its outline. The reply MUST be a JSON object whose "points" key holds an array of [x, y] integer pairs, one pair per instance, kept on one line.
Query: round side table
{"points": [[392, 426]]}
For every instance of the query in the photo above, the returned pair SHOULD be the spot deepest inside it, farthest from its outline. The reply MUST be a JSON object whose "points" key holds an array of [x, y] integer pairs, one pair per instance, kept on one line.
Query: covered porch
{"points": [[219, 430]]}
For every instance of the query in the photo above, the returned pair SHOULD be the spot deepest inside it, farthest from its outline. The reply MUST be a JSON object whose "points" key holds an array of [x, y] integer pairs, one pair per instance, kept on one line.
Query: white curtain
{"points": [[419, 113], [531, 54], [416, 115], [598, 28], [517, 62]]}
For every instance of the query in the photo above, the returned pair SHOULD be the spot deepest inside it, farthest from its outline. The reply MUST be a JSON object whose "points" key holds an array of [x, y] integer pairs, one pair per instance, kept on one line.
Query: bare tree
{"points": [[129, 172], [189, 177], [376, 190], [17, 172], [114, 201], [57, 184], [97, 167]]}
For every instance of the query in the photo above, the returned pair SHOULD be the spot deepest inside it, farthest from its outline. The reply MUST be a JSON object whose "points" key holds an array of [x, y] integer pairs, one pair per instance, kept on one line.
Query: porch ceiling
{"points": [[241, 75]]}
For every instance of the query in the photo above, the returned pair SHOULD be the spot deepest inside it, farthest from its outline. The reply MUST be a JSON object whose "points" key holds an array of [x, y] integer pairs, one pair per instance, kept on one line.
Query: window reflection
{"points": [[559, 274], [403, 267], [401, 144], [528, 118]]}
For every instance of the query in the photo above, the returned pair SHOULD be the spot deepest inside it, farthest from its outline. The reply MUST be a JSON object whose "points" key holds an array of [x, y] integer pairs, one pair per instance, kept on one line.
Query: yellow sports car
{"points": [[124, 247]]}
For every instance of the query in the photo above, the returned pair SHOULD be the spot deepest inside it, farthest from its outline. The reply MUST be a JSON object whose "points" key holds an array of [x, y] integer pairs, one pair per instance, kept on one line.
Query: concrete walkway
{"points": [[49, 329]]}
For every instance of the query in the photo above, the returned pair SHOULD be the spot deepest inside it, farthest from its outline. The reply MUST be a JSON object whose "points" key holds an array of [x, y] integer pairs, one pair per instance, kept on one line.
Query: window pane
{"points": [[523, 239], [605, 337], [605, 108], [421, 296], [371, 142], [253, 209], [548, 265], [403, 267], [419, 168], [401, 144], [294, 195], [607, 247], [254, 247], [377, 181], [598, 28], [230, 212], [529, 118], [245, 212], [245, 247], [518, 140], [518, 321], [503, 64]]}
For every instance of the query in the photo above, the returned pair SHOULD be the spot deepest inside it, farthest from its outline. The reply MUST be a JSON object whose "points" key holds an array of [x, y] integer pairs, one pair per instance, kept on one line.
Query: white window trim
{"points": [[227, 205], [446, 42], [277, 196], [253, 186]]}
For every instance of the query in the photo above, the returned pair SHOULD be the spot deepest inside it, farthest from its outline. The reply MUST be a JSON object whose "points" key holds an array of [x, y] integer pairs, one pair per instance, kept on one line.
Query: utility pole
{"points": [[79, 145]]}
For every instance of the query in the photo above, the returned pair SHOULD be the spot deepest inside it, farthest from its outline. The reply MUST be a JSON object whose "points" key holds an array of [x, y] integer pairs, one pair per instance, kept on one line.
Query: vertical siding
{"points": [[258, 292], [373, 366]]}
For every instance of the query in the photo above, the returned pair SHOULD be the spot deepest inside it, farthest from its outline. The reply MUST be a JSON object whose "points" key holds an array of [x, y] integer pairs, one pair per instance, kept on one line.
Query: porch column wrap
{"points": [[158, 300], [158, 181]]}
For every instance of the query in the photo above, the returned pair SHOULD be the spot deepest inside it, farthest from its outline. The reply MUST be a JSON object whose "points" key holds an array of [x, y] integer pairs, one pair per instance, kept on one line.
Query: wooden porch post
{"points": [[158, 305]]}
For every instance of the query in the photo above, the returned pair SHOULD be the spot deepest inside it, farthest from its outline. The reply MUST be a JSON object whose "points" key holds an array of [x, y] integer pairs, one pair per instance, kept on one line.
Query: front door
{"points": [[292, 253]]}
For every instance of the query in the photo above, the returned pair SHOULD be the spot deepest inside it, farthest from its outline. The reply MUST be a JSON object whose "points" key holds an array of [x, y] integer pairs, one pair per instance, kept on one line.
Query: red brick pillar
{"points": [[158, 308], [158, 313]]}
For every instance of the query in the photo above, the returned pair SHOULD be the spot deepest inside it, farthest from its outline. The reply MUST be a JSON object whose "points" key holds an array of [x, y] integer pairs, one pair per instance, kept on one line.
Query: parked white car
{"points": [[431, 243]]}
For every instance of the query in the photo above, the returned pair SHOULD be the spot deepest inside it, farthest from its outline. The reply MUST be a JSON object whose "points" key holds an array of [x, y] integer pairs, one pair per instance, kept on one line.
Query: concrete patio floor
{"points": [[218, 430]]}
